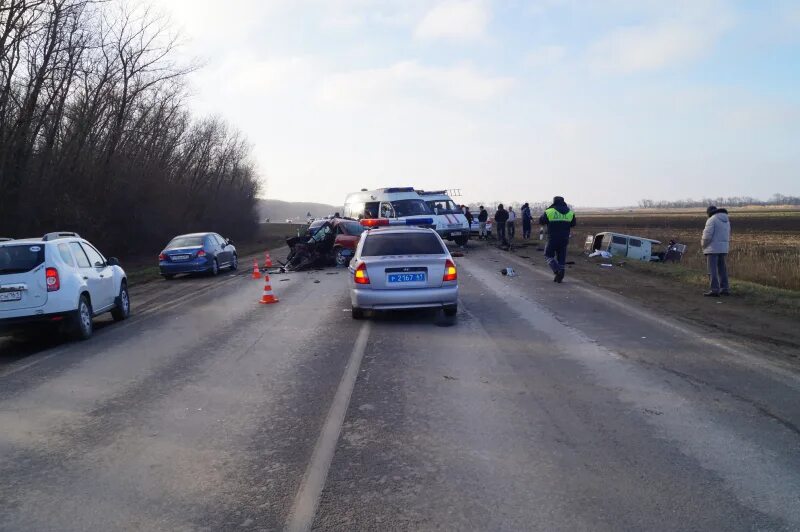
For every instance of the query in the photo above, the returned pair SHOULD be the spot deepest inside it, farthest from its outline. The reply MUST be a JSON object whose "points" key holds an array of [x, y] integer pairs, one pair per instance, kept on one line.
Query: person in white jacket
{"points": [[512, 220], [716, 244]]}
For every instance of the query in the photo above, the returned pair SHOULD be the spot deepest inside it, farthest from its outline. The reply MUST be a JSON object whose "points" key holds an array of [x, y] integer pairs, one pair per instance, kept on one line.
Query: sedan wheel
{"points": [[215, 268], [234, 263]]}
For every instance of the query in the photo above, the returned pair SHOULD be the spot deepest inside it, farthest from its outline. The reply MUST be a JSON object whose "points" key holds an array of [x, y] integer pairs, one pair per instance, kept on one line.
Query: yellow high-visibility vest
{"points": [[554, 216]]}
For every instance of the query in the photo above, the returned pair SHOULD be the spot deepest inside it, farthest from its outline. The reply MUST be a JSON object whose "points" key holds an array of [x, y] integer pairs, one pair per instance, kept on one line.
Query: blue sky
{"points": [[605, 102]]}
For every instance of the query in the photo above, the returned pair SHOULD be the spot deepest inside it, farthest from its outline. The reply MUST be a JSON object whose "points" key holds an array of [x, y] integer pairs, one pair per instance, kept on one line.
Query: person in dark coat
{"points": [[500, 219], [527, 218], [483, 217], [559, 220], [467, 215]]}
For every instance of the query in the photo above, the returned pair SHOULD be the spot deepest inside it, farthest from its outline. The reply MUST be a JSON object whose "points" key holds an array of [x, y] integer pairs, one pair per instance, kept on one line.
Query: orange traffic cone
{"points": [[256, 271], [267, 298], [267, 260]]}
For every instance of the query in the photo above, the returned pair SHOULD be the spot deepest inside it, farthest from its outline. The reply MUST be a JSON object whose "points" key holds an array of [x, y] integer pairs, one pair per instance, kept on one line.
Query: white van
{"points": [[621, 245], [395, 202], [451, 224]]}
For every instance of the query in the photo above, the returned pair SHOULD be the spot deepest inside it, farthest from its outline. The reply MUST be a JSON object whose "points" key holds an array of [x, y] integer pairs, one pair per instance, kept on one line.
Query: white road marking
{"points": [[305, 504]]}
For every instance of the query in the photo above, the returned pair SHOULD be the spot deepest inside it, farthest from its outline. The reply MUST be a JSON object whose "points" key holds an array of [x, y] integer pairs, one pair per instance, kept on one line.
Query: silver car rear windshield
{"points": [[185, 242], [20, 258], [378, 245]]}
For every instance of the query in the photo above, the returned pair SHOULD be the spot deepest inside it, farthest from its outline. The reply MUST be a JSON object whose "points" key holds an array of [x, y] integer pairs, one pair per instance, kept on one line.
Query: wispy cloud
{"points": [[665, 40], [457, 20], [545, 56], [409, 78]]}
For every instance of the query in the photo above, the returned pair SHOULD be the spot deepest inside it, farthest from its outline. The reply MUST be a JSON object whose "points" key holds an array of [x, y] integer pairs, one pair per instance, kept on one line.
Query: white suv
{"points": [[59, 279]]}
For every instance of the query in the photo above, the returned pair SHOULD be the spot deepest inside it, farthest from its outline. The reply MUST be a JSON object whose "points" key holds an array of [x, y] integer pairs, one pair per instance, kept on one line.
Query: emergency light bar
{"points": [[384, 222]]}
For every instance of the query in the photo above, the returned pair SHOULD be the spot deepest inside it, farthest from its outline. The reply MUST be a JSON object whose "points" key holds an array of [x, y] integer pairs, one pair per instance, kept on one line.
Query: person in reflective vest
{"points": [[559, 220]]}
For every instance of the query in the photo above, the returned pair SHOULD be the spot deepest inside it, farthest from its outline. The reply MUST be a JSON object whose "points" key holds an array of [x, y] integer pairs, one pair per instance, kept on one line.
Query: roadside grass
{"points": [[759, 294], [270, 236]]}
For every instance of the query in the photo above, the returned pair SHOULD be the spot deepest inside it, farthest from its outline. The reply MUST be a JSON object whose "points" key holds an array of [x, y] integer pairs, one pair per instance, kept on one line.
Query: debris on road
{"points": [[605, 265], [450, 378], [509, 272], [600, 253]]}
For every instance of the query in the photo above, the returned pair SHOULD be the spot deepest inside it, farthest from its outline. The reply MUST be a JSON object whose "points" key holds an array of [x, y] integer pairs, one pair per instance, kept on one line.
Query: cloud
{"points": [[545, 56], [666, 40], [456, 20], [409, 78]]}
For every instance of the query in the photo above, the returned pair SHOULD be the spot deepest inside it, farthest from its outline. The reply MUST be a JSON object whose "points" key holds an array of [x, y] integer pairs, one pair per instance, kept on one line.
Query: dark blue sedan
{"points": [[197, 253]]}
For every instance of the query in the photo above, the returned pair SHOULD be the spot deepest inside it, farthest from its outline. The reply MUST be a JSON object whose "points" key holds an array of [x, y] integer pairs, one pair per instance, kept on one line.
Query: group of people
{"points": [[558, 218]]}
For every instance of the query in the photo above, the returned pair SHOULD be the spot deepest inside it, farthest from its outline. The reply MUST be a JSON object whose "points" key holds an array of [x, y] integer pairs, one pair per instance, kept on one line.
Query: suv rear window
{"points": [[20, 258], [377, 245]]}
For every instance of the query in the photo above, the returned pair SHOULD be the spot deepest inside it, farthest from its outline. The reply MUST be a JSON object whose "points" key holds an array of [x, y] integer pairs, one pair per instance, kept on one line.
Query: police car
{"points": [[402, 265], [59, 279]]}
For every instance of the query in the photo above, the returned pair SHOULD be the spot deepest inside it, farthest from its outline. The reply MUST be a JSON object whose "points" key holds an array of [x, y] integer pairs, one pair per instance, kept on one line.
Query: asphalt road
{"points": [[541, 407]]}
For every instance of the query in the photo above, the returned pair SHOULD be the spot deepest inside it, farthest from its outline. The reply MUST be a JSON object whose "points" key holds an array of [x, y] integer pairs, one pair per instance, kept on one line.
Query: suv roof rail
{"points": [[60, 234]]}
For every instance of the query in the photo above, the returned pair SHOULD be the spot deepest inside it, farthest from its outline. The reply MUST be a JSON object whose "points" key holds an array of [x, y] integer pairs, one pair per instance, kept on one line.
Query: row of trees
{"points": [[95, 135], [736, 201]]}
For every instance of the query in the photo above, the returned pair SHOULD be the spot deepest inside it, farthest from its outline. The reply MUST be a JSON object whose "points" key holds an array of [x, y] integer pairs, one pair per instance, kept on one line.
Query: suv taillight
{"points": [[360, 276], [52, 280], [450, 271]]}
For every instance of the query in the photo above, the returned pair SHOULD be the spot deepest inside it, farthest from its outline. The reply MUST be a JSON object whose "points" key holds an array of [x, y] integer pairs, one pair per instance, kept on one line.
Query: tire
{"points": [[451, 311], [358, 313], [168, 277], [82, 326], [123, 309], [461, 240], [214, 271], [339, 257], [235, 263]]}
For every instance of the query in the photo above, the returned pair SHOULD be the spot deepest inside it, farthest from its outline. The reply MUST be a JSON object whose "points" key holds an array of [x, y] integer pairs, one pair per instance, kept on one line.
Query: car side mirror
{"points": [[229, 241], [113, 261]]}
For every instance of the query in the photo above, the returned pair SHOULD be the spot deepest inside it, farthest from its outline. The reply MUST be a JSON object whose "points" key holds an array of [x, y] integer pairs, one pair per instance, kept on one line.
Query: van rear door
{"points": [[22, 276]]}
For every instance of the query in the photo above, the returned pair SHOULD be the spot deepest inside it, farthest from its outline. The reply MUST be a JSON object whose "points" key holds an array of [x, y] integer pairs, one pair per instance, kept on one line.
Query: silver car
{"points": [[402, 267]]}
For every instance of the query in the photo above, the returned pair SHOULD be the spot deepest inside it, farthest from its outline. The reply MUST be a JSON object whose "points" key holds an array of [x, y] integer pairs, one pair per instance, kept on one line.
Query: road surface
{"points": [[541, 407]]}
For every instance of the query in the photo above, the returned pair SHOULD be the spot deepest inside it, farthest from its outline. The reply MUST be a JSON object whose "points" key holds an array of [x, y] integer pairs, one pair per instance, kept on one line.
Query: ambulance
{"points": [[451, 224]]}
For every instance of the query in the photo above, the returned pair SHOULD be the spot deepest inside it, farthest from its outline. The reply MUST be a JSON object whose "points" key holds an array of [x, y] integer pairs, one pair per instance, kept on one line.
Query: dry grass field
{"points": [[765, 245]]}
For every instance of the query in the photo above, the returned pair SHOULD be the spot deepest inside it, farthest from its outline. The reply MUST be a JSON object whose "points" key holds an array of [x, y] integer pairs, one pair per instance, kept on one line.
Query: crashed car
{"points": [[325, 242]]}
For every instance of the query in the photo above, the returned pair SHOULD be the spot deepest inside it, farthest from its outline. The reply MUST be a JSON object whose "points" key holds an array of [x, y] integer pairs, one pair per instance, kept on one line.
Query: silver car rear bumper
{"points": [[367, 298]]}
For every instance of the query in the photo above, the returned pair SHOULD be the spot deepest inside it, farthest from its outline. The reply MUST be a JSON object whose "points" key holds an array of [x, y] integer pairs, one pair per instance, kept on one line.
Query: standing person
{"points": [[500, 220], [512, 220], [526, 221], [559, 219], [483, 217], [467, 215], [716, 243]]}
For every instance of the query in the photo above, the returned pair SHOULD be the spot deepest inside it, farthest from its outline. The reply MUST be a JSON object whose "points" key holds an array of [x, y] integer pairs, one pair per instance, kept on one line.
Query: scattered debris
{"points": [[449, 378], [457, 254], [509, 272], [332, 273], [604, 265], [600, 253], [282, 280], [570, 263], [316, 281]]}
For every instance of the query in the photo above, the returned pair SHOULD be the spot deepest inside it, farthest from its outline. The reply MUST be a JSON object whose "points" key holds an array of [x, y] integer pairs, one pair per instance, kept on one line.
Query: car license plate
{"points": [[10, 296], [415, 277], [181, 257]]}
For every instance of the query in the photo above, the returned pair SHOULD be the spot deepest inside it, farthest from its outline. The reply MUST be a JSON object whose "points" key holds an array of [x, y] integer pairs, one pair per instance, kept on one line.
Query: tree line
{"points": [[95, 135], [735, 201]]}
